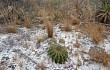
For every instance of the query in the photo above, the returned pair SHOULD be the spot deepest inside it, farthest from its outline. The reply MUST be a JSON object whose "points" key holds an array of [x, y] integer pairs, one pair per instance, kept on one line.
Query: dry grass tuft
{"points": [[1, 67], [75, 20], [99, 55], [46, 20], [42, 66], [11, 29], [17, 21], [96, 32], [45, 14], [49, 27], [96, 37], [67, 25], [42, 12], [27, 22]]}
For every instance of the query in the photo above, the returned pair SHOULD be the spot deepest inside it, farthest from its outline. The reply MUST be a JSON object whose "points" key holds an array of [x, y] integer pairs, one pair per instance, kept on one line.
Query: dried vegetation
{"points": [[99, 55]]}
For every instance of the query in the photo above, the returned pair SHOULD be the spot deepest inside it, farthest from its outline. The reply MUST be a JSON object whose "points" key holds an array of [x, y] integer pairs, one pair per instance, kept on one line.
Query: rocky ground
{"points": [[27, 50]]}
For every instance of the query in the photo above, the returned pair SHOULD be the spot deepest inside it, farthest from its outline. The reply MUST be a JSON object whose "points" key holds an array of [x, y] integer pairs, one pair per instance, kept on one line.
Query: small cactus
{"points": [[58, 53], [62, 41], [52, 41]]}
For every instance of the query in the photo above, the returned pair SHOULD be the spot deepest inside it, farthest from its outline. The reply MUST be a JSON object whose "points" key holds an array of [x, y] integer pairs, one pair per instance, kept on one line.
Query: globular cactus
{"points": [[58, 53]]}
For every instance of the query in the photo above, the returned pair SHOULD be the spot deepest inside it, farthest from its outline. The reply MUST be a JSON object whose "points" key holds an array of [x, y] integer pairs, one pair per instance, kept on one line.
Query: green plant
{"points": [[105, 2], [103, 15], [58, 53], [52, 41], [106, 7], [62, 41]]}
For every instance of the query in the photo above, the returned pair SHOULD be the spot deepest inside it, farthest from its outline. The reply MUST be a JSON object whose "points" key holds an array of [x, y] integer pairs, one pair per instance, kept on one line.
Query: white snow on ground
{"points": [[30, 56]]}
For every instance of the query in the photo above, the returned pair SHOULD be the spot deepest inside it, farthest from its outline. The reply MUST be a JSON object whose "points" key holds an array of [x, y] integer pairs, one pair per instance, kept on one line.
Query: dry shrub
{"points": [[96, 32], [98, 54], [46, 14], [83, 9], [42, 12], [49, 27], [75, 20], [11, 29], [27, 22], [67, 25], [42, 66], [17, 21], [46, 20], [58, 15]]}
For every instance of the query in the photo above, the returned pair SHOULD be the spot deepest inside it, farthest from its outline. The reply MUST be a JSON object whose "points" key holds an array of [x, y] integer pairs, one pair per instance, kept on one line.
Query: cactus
{"points": [[58, 53], [61, 41], [52, 41]]}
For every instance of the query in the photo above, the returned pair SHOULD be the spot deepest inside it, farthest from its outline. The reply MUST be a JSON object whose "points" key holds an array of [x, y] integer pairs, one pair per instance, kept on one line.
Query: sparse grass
{"points": [[27, 22], [99, 55], [45, 14], [11, 29], [59, 15], [96, 32], [47, 18], [67, 25], [42, 12]]}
